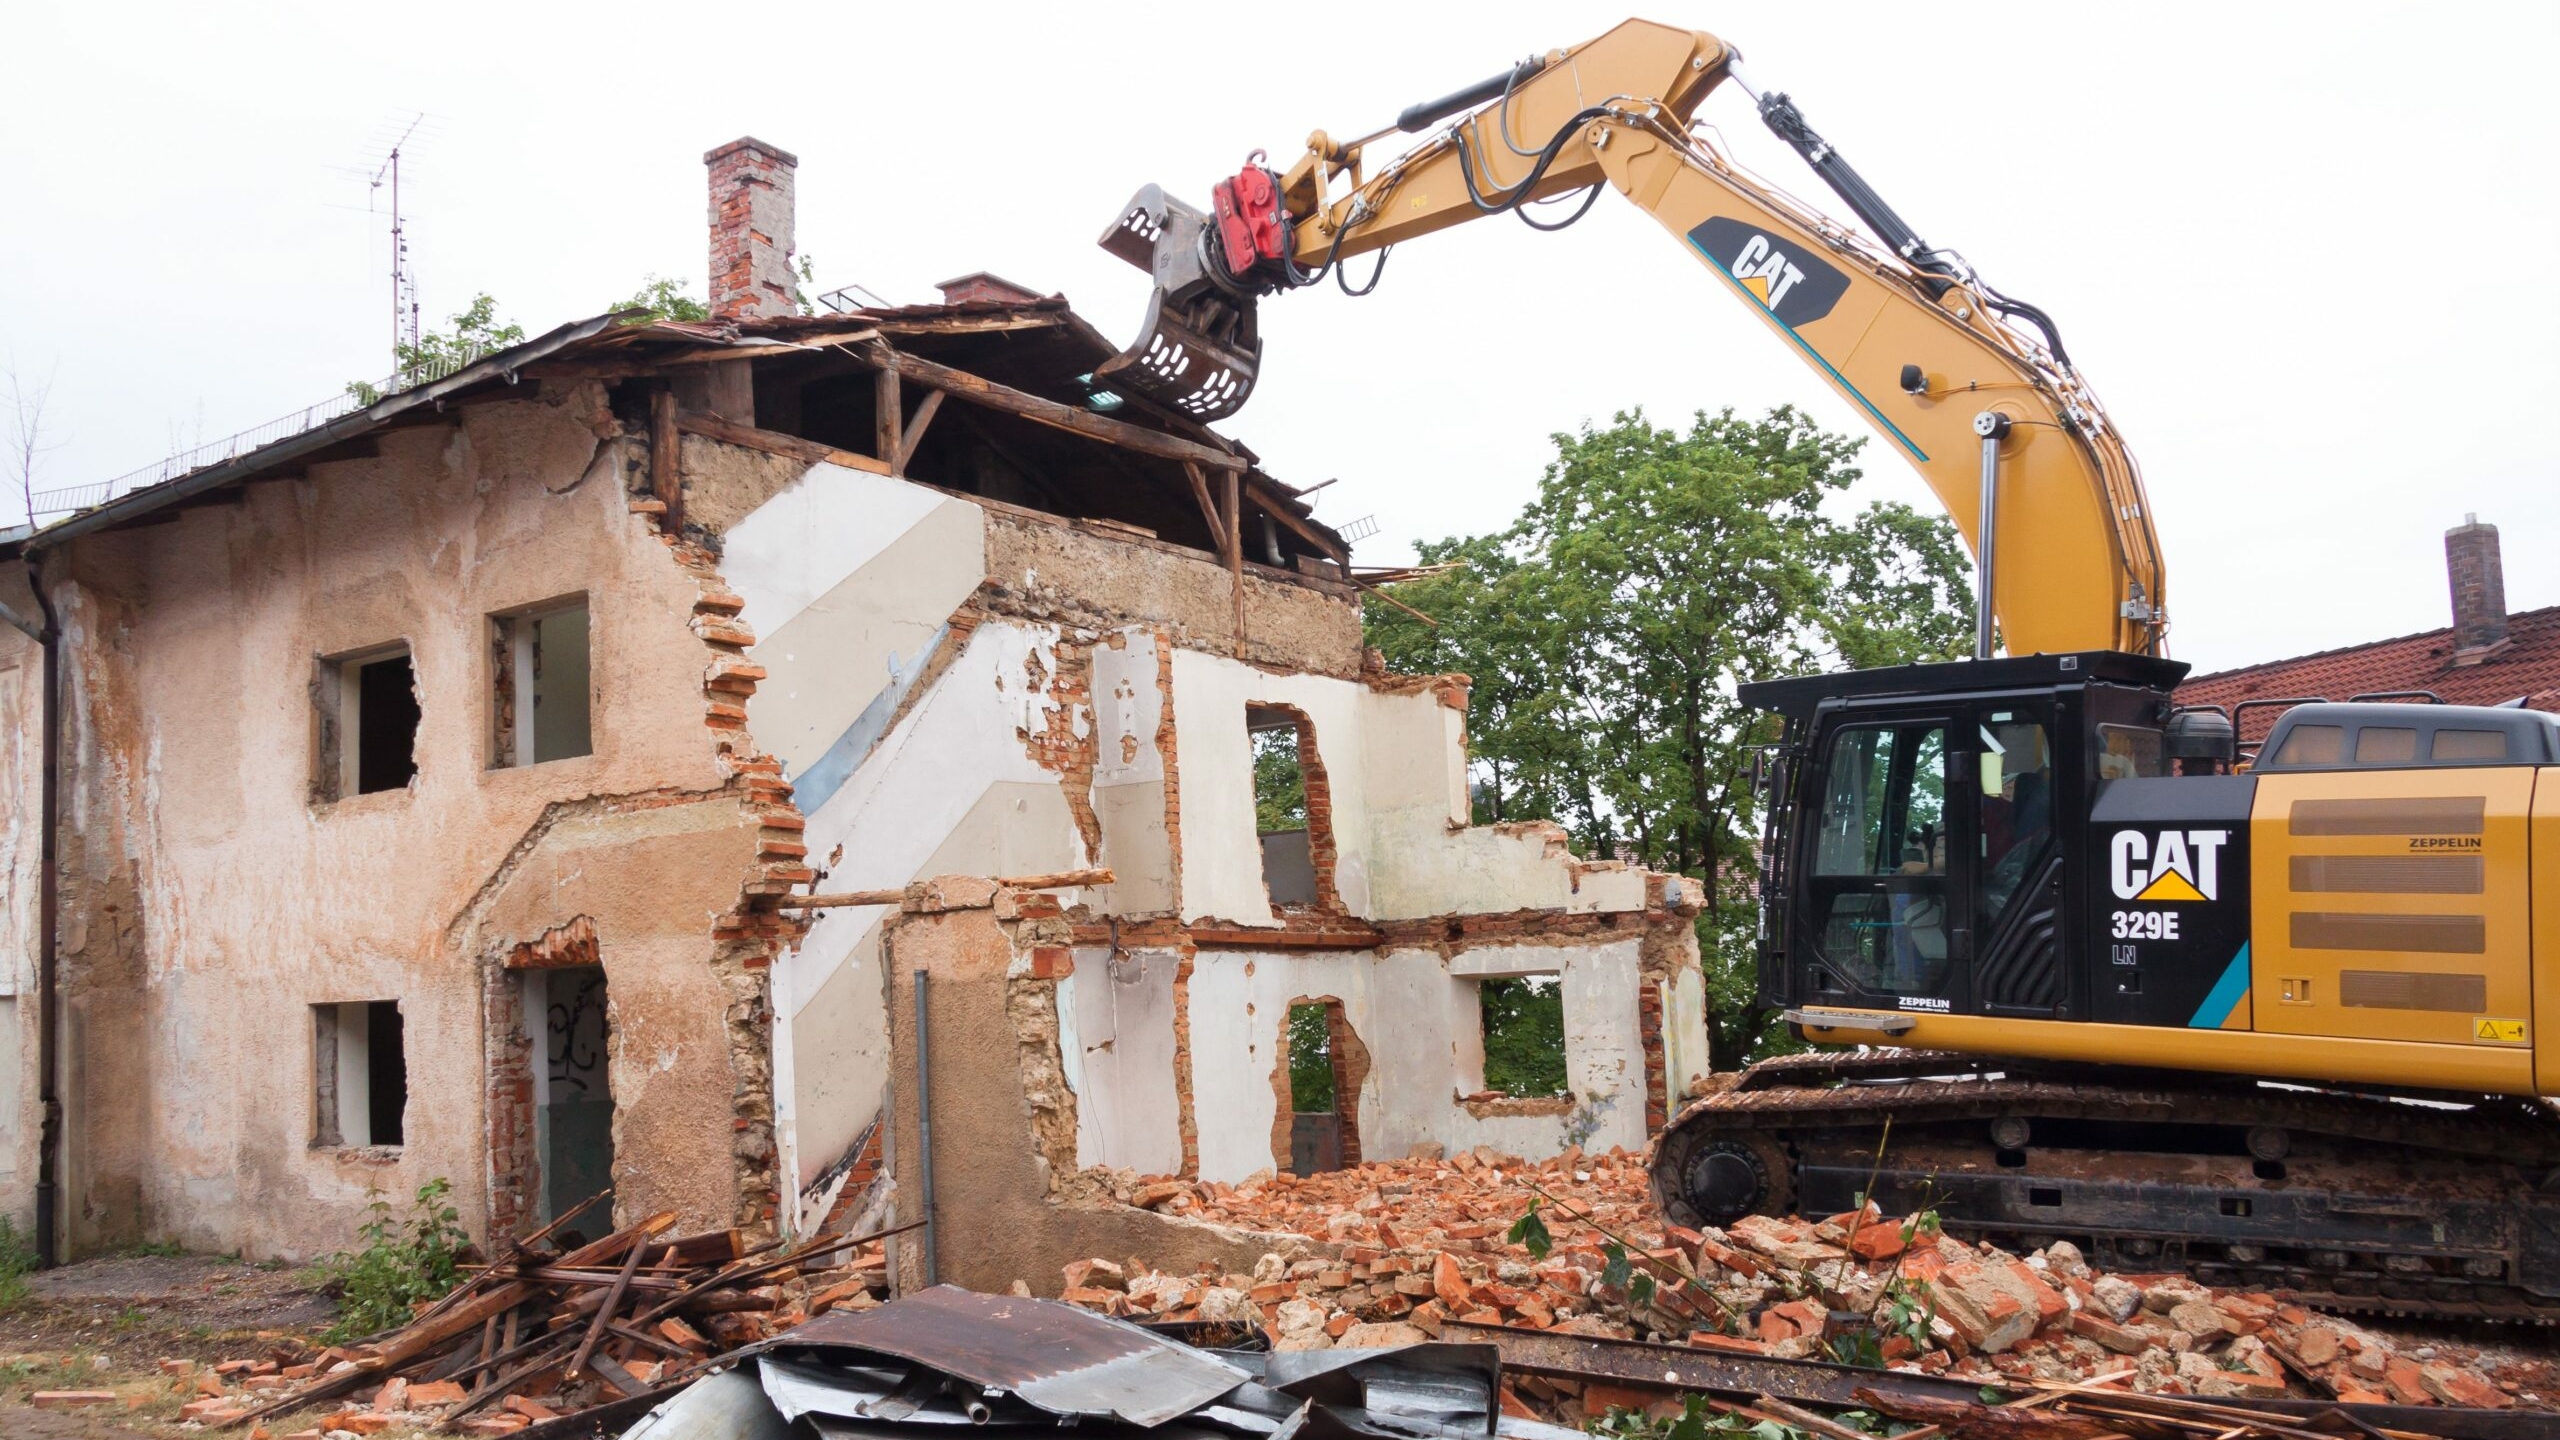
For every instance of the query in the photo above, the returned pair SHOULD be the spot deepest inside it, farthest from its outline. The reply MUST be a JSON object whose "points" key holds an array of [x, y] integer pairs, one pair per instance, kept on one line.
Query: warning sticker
{"points": [[2497, 1032]]}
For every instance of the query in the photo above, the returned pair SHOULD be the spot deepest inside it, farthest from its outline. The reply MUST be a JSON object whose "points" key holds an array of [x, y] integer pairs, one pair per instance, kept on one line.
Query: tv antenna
{"points": [[404, 282]]}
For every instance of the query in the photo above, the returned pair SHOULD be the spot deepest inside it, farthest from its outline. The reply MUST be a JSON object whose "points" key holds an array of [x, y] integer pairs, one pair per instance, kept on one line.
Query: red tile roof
{"points": [[2527, 665]]}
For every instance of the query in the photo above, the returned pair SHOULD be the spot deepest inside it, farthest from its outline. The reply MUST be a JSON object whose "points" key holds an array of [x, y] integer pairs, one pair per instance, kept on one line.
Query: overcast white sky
{"points": [[2303, 251]]}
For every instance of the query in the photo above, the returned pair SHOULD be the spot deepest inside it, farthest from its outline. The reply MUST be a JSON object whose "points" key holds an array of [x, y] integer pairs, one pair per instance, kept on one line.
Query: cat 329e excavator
{"points": [[2277, 1018]]}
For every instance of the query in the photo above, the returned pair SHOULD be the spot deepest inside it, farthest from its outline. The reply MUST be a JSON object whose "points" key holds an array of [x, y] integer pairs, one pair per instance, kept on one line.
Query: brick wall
{"points": [[752, 189], [2479, 580]]}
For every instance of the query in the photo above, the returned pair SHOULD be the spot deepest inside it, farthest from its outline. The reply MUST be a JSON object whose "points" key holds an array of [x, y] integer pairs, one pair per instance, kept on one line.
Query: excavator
{"points": [[2078, 964]]}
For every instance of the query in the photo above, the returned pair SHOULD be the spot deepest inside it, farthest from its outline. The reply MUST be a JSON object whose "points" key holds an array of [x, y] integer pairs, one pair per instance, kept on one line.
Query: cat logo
{"points": [[1790, 282], [2170, 865]]}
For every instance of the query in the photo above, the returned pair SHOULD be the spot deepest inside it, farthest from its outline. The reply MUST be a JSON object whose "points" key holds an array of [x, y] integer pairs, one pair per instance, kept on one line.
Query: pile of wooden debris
{"points": [[547, 1331]]}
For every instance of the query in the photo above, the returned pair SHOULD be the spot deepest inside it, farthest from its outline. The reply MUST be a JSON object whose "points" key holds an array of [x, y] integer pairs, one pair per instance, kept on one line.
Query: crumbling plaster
{"points": [[208, 902]]}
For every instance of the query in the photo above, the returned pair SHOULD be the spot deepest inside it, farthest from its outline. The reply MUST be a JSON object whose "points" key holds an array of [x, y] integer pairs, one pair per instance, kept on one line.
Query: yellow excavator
{"points": [[2089, 971]]}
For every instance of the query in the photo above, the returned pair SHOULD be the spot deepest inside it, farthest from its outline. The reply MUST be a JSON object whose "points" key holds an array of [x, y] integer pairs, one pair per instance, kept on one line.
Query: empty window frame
{"points": [[359, 1073], [365, 712], [1523, 1020], [542, 706], [1280, 741]]}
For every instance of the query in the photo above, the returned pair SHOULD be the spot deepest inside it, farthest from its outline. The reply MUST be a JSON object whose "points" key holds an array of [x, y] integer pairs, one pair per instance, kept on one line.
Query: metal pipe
{"points": [[1993, 427], [48, 933], [924, 1123]]}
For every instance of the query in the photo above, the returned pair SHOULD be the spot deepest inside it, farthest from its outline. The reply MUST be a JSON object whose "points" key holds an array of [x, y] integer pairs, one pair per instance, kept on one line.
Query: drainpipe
{"points": [[48, 921]]}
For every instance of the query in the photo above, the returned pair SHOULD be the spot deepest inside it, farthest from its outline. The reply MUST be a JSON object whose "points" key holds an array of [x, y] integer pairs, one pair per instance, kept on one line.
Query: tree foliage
{"points": [[1523, 1036], [663, 299], [1605, 631], [1310, 1060], [1279, 782], [473, 332]]}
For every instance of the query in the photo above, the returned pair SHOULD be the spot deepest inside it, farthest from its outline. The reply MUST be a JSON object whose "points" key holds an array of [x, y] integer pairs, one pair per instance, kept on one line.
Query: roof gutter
{"points": [[346, 427]]}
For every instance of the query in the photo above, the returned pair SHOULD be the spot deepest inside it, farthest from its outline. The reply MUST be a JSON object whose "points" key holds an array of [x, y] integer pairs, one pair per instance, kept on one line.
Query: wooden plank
{"points": [[978, 390], [774, 442], [1208, 507], [1235, 552], [666, 479], [1332, 938], [891, 406], [916, 426], [604, 1312]]}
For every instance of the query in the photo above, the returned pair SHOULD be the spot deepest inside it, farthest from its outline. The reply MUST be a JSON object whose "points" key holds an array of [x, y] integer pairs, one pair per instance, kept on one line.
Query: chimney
{"points": [[2479, 589], [751, 193], [979, 287]]}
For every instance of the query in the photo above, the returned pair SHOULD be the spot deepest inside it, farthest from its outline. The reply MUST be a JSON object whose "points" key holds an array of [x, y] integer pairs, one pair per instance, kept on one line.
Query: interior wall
{"points": [[1417, 1012]]}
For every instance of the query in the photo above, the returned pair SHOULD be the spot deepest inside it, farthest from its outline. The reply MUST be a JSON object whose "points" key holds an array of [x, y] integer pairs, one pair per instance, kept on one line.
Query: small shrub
{"points": [[17, 1261], [397, 1265]]}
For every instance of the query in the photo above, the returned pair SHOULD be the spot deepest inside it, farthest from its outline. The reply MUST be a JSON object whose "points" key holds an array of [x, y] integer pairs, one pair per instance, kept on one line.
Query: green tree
{"points": [[474, 332], [1279, 782], [1310, 1060], [1523, 1036], [1607, 628], [664, 299]]}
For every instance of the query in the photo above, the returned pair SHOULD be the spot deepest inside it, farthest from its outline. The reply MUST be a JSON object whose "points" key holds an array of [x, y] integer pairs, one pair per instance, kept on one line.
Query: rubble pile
{"points": [[546, 1332], [1417, 1245]]}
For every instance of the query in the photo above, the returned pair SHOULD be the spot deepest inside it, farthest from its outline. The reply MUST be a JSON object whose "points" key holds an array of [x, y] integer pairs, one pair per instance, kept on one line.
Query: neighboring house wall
{"points": [[210, 902], [21, 742]]}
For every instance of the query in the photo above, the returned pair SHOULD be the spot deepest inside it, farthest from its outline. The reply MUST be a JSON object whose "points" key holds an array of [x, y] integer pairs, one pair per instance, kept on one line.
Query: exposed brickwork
{"points": [[1323, 854], [752, 189], [747, 939], [978, 287], [1068, 744], [2479, 581]]}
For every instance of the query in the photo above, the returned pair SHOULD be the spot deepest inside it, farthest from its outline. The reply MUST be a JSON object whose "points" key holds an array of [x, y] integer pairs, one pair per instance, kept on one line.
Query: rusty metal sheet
{"points": [[1064, 1360]]}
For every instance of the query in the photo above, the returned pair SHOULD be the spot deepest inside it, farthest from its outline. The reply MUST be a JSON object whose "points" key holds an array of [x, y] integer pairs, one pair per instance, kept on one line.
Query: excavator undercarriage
{"points": [[2399, 1204]]}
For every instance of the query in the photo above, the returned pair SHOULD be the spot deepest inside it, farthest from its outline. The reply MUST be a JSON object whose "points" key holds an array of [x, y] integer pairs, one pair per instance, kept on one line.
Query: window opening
{"points": [[2016, 814], [360, 1073], [2128, 751], [2470, 745], [1523, 1019], [366, 708], [1281, 817], [1880, 861], [543, 703], [1318, 1077]]}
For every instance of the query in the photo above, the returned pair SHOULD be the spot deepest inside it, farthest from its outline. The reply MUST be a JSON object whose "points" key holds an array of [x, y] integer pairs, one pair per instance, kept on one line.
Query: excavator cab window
{"points": [[2016, 806], [1879, 876]]}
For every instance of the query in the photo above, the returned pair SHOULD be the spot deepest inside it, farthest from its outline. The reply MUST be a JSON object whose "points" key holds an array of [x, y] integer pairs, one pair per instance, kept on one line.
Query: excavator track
{"points": [[2392, 1203]]}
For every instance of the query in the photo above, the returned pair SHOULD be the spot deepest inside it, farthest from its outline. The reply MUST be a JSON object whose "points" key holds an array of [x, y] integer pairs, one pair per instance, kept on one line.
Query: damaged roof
{"points": [[1031, 430]]}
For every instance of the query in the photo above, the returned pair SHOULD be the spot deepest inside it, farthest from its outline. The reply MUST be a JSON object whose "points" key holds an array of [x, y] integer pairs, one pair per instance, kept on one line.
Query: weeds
{"points": [[17, 1260], [398, 1264]]}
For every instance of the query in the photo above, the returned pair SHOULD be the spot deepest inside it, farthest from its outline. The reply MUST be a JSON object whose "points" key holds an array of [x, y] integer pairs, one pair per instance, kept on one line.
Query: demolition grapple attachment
{"points": [[1197, 352]]}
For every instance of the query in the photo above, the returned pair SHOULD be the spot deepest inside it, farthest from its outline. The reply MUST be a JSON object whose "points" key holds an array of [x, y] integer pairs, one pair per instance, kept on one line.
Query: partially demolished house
{"points": [[441, 793]]}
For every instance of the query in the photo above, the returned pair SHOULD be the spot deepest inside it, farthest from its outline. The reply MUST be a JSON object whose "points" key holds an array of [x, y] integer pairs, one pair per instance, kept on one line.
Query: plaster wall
{"points": [[21, 778], [1416, 1011], [1397, 762], [210, 902], [1116, 1045]]}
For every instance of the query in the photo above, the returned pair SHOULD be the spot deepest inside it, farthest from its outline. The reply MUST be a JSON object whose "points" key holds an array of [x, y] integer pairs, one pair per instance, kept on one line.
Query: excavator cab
{"points": [[1925, 852]]}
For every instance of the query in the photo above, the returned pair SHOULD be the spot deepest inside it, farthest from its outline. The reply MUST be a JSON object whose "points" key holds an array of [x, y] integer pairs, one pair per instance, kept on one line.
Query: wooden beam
{"points": [[1059, 880], [773, 442], [978, 390], [1208, 507], [1235, 551], [891, 416], [917, 424], [666, 479]]}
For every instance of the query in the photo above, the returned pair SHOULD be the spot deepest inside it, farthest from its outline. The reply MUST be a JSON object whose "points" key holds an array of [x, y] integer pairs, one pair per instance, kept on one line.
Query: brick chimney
{"points": [[751, 198], [2479, 589], [980, 287]]}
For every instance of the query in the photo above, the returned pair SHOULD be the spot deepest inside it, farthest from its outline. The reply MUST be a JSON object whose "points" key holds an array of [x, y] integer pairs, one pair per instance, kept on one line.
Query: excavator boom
{"points": [[1973, 389]]}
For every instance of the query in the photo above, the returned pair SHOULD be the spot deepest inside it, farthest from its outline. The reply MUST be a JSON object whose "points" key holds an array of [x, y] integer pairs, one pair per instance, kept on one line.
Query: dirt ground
{"points": [[106, 1324]]}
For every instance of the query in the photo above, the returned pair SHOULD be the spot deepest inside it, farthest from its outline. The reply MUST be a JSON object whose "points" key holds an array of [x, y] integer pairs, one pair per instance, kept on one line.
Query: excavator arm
{"points": [[1972, 388]]}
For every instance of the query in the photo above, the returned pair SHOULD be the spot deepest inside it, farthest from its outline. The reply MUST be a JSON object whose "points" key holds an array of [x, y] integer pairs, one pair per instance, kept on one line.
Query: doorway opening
{"points": [[1322, 1065], [565, 1021]]}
